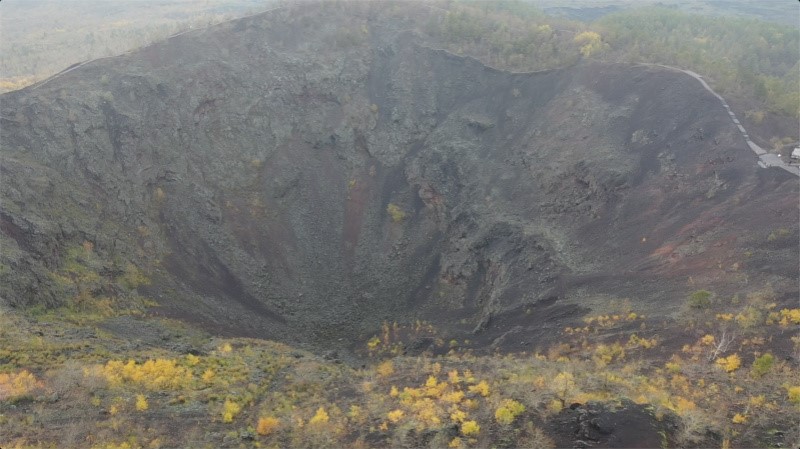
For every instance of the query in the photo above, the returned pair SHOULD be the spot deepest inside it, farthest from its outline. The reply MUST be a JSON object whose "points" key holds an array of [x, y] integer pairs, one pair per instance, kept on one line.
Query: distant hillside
{"points": [[43, 37]]}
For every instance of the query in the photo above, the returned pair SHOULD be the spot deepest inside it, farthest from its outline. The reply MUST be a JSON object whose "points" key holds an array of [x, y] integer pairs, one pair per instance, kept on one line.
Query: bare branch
{"points": [[721, 345]]}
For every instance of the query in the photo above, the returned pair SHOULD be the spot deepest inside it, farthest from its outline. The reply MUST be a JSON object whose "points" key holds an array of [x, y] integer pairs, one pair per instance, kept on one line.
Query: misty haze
{"points": [[399, 224]]}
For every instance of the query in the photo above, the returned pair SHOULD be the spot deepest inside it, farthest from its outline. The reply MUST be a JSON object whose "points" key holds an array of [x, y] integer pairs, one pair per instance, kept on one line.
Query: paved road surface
{"points": [[765, 160]]}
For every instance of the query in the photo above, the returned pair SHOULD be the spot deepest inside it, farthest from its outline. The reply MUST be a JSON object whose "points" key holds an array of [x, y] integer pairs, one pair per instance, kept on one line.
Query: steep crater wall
{"points": [[290, 177]]}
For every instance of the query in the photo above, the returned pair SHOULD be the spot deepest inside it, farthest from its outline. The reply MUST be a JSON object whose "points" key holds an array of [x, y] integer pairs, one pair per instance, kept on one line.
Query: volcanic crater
{"points": [[306, 174]]}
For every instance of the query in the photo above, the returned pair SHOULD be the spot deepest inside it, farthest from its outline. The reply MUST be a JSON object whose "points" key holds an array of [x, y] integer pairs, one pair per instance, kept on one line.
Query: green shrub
{"points": [[762, 365], [701, 299]]}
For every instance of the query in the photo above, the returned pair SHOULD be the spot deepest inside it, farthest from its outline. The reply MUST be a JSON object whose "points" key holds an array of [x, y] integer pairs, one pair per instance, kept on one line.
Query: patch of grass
{"points": [[777, 234], [395, 213]]}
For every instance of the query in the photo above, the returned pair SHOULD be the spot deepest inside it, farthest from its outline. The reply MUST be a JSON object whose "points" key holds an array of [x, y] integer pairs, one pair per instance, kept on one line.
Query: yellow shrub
{"points": [[555, 406], [790, 316], [409, 395], [267, 425], [321, 417], [757, 401], [141, 403], [773, 317], [427, 411], [583, 398], [673, 367], [482, 388], [158, 374], [455, 443], [680, 383], [454, 397], [373, 343], [458, 416], [396, 213], [395, 415], [431, 382], [468, 376], [471, 404], [605, 354], [433, 388], [683, 405], [503, 416], [739, 419], [19, 384], [793, 394], [647, 344], [636, 341], [208, 375], [452, 376], [229, 410], [589, 41], [508, 411], [730, 363], [470, 428], [385, 369], [563, 382]]}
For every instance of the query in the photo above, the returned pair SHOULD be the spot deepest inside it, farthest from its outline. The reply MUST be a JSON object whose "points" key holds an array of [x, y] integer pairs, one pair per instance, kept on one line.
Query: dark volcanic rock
{"points": [[307, 173], [597, 425]]}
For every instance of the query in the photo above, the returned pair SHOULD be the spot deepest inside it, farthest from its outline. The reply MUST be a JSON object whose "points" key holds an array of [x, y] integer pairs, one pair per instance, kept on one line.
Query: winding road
{"points": [[765, 159]]}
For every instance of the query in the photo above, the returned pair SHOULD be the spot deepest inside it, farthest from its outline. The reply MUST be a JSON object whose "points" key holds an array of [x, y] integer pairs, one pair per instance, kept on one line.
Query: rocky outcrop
{"points": [[627, 426]]}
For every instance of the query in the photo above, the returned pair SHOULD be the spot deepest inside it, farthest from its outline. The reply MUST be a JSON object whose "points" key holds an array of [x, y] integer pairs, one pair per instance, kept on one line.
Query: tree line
{"points": [[751, 58]]}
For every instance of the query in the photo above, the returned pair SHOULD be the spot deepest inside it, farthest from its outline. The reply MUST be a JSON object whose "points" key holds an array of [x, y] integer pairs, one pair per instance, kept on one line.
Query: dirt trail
{"points": [[765, 159]]}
